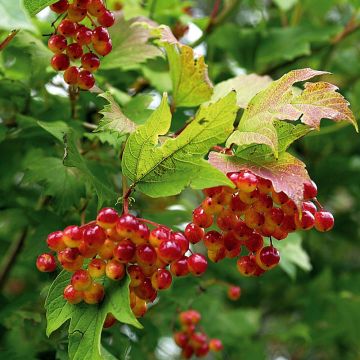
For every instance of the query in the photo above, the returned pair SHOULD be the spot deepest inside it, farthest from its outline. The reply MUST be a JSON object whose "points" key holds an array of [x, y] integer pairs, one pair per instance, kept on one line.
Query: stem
{"points": [[126, 194], [89, 126], [152, 9], [11, 256], [153, 223], [317, 202], [8, 39], [73, 97], [91, 20]]}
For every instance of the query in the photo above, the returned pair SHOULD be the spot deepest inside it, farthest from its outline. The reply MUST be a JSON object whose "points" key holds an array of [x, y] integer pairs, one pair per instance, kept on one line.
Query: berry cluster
{"points": [[71, 38], [115, 244], [247, 214], [191, 340]]}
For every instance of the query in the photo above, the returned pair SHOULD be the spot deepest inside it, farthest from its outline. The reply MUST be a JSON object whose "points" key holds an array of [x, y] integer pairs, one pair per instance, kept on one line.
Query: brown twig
{"points": [[11, 256], [8, 39]]}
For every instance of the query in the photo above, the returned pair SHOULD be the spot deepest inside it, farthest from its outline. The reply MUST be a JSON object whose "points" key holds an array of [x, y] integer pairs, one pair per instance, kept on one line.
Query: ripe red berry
{"points": [[115, 270], [71, 75], [146, 254], [255, 242], [194, 233], [324, 221], [213, 240], [60, 7], [309, 206], [96, 268], [189, 317], [81, 280], [57, 44], [197, 264], [216, 345], [203, 350], [181, 240], [161, 279], [86, 80], [169, 251], [71, 295], [106, 18], [95, 7], [72, 236], [90, 62], [83, 35], [81, 3], [136, 275], [106, 251], [55, 241], [198, 339], [245, 181], [306, 222], [127, 225], [60, 62], [100, 35], [310, 190], [279, 197], [94, 294], [268, 257], [141, 235], [234, 292], [200, 218], [159, 234], [94, 236], [181, 339], [67, 28], [74, 51], [46, 263], [75, 14], [124, 251], [246, 266], [145, 290], [110, 320], [179, 267], [103, 47]]}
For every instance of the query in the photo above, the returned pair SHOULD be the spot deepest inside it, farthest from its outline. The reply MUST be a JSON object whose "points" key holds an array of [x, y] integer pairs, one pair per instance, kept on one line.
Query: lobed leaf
{"points": [[165, 170], [35, 6], [86, 321], [14, 16]]}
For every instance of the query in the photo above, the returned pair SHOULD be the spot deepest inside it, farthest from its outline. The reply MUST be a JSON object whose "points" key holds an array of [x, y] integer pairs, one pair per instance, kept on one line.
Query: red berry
{"points": [[90, 62], [72, 296], [202, 219], [197, 264], [124, 251], [310, 190], [86, 80], [94, 236], [245, 181], [309, 206], [100, 35], [115, 270], [198, 339], [60, 7], [82, 4], [127, 225], [275, 216], [71, 75], [57, 44], [141, 235], [103, 47], [94, 294], [181, 339], [246, 266], [145, 291], [146, 254], [107, 217], [110, 320], [83, 35], [161, 279], [216, 345], [279, 197], [179, 267], [189, 317], [234, 292], [217, 254], [255, 242], [236, 205], [72, 236], [95, 7], [46, 263], [106, 250], [159, 234], [268, 257], [181, 240], [60, 62], [169, 251], [136, 275], [264, 185], [203, 350], [96, 268], [55, 241], [213, 240], [81, 280], [324, 221], [106, 18], [75, 14], [253, 219], [74, 51], [306, 222], [194, 233], [67, 28]]}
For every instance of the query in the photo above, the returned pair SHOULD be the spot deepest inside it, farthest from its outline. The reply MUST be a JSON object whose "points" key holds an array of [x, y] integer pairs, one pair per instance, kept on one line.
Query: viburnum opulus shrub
{"points": [[233, 147]]}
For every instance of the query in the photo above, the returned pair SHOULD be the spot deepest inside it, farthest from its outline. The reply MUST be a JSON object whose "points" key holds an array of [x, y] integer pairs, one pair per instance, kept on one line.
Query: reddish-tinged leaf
{"points": [[287, 173]]}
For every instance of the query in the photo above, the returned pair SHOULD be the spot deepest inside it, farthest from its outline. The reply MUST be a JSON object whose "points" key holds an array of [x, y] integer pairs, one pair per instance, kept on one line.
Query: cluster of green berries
{"points": [[191, 340], [75, 42], [115, 245], [245, 215]]}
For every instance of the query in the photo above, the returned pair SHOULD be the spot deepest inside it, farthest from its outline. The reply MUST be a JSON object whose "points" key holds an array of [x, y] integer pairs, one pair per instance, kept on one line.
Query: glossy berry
{"points": [[179, 267], [255, 242], [72, 296], [71, 75], [107, 217], [115, 270], [55, 241], [197, 264], [95, 7], [86, 80], [305, 220], [94, 294], [181, 240], [60, 7], [268, 257], [94, 236], [245, 181], [194, 233], [310, 190], [146, 254], [81, 280], [90, 62], [169, 250], [127, 225], [161, 279], [201, 218], [96, 268], [246, 266], [82, 4], [213, 240], [145, 290], [75, 14], [74, 51], [106, 18], [67, 28], [137, 276], [158, 235], [100, 35], [46, 263], [124, 251], [110, 321], [103, 47], [181, 339], [57, 44], [324, 221], [60, 62], [234, 292], [83, 35]]}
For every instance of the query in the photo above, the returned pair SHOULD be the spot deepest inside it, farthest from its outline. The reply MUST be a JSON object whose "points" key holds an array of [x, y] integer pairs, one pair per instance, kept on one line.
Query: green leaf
{"points": [[285, 5], [130, 45], [137, 109], [61, 182], [279, 101], [14, 16], [86, 321], [35, 6], [293, 255], [113, 118], [165, 170], [72, 158], [189, 75], [246, 87], [56, 128], [286, 173]]}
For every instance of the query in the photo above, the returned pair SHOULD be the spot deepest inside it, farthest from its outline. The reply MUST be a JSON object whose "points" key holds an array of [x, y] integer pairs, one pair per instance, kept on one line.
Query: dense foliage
{"points": [[155, 130]]}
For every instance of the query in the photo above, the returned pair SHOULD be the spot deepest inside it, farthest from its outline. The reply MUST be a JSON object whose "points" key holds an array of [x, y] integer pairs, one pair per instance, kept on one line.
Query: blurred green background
{"points": [[307, 309]]}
